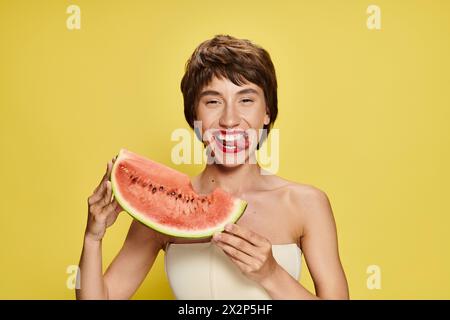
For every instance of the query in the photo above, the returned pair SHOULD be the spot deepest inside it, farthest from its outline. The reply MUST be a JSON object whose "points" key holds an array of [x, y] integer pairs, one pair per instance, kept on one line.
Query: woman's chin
{"points": [[229, 164]]}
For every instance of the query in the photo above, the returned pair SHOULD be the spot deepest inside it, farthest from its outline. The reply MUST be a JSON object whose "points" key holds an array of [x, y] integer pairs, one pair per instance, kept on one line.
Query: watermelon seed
{"points": [[172, 193], [179, 195], [154, 190], [134, 180], [161, 188]]}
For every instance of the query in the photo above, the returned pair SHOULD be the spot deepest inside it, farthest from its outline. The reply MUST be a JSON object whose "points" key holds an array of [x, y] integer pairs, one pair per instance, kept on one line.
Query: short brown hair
{"points": [[238, 60]]}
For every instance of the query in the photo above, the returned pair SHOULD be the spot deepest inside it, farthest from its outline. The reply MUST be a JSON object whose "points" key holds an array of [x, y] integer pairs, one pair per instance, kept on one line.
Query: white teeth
{"points": [[227, 137], [230, 147], [231, 137]]}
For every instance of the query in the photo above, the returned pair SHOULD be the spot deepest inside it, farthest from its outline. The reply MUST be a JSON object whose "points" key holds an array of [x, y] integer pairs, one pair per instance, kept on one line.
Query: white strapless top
{"points": [[203, 271]]}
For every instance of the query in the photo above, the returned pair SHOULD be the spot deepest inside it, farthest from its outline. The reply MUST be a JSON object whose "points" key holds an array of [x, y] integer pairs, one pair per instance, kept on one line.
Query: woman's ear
{"points": [[198, 130], [266, 119]]}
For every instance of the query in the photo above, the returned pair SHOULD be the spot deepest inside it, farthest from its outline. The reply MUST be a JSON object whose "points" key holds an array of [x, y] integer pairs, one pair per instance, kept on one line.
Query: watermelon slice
{"points": [[163, 199]]}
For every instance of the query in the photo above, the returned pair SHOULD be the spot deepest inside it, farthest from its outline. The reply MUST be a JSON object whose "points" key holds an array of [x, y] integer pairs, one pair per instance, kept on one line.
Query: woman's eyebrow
{"points": [[216, 93], [248, 90], [209, 93]]}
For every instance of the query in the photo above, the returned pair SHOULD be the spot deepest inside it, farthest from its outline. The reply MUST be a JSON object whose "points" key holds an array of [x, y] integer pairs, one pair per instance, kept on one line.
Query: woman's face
{"points": [[231, 117]]}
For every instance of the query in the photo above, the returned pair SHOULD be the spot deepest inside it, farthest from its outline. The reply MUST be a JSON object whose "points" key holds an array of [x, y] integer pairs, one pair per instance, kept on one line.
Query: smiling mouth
{"points": [[231, 141]]}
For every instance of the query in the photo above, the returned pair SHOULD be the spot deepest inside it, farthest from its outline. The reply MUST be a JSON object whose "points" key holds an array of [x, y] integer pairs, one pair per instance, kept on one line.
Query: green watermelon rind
{"points": [[237, 211]]}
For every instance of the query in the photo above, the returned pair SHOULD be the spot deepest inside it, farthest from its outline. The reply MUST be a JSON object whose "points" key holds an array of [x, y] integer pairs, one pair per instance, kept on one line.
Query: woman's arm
{"points": [[134, 260], [128, 269], [252, 253], [320, 247], [92, 285]]}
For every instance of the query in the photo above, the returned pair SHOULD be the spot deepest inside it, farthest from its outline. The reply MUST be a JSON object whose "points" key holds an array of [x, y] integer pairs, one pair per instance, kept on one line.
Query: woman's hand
{"points": [[103, 208], [251, 252]]}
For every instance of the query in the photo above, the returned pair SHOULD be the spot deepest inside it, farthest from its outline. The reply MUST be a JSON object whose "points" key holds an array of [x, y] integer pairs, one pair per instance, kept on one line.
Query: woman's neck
{"points": [[235, 180]]}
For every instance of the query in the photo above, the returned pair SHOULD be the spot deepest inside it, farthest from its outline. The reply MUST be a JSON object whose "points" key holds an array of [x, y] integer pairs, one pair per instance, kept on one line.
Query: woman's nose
{"points": [[230, 118]]}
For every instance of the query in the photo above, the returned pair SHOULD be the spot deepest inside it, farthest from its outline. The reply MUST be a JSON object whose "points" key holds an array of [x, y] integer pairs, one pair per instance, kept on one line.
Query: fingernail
{"points": [[217, 236], [228, 227]]}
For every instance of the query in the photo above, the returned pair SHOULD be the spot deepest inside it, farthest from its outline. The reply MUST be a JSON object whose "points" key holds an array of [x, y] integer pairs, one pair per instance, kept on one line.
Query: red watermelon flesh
{"points": [[163, 198]]}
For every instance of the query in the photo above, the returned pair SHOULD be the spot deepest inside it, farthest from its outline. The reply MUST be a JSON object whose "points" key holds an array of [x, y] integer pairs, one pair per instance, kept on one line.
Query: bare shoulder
{"points": [[305, 200], [308, 196], [311, 206], [300, 192]]}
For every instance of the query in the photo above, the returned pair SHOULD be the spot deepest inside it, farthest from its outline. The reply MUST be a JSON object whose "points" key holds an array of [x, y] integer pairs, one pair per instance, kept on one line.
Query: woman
{"points": [[230, 86]]}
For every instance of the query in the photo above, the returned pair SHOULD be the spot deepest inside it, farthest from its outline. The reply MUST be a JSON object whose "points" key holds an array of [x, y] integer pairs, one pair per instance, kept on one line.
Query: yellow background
{"points": [[363, 115]]}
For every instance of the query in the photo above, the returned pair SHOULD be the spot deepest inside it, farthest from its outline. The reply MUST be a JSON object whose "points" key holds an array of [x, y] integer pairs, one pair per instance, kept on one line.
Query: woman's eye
{"points": [[247, 100], [212, 102]]}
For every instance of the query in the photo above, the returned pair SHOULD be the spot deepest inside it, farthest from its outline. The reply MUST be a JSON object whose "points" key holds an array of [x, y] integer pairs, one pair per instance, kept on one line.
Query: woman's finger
{"points": [[109, 169], [111, 209], [241, 265], [117, 206], [235, 253], [107, 196], [112, 218], [111, 212], [98, 194], [105, 177], [246, 234], [236, 242]]}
